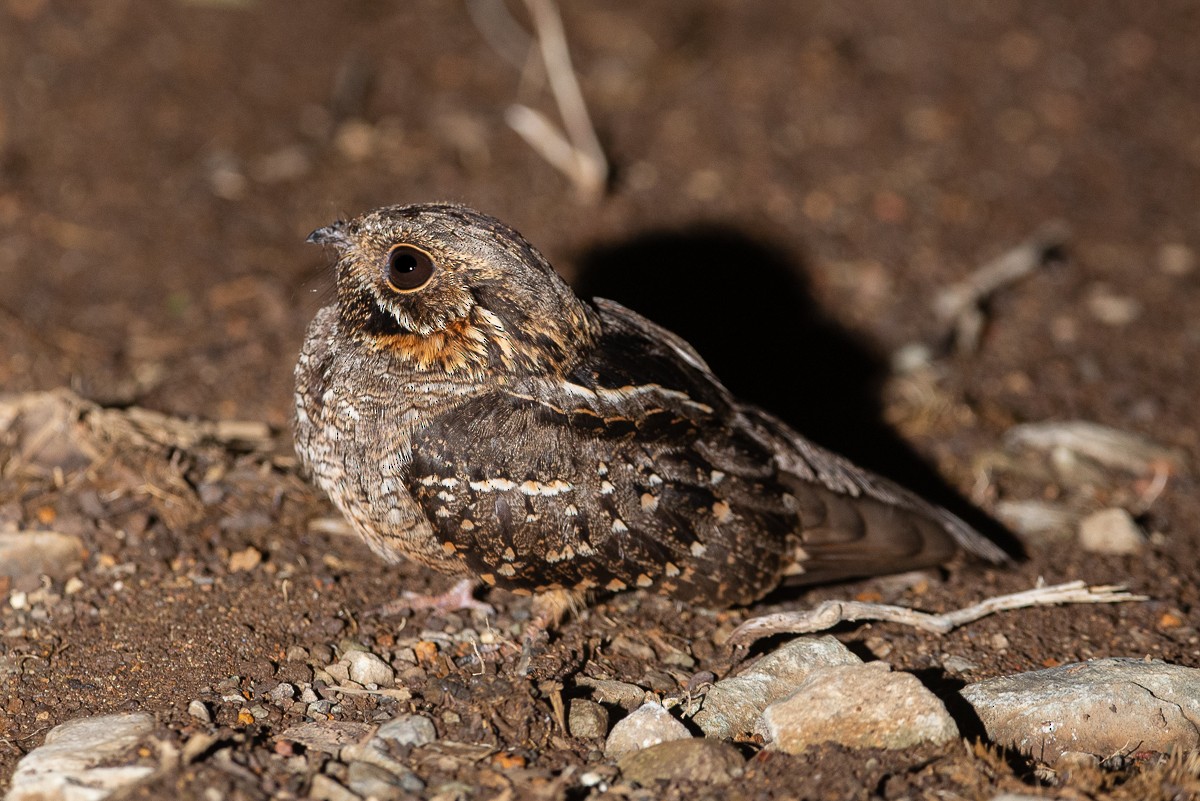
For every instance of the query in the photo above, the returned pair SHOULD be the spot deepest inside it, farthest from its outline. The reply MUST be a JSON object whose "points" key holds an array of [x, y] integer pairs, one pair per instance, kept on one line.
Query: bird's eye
{"points": [[408, 268]]}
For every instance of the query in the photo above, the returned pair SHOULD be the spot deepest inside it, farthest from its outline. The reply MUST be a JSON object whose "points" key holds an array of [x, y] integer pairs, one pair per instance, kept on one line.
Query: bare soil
{"points": [[792, 187]]}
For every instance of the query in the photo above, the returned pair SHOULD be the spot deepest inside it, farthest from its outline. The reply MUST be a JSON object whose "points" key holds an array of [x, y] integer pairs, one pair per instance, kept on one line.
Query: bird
{"points": [[465, 410]]}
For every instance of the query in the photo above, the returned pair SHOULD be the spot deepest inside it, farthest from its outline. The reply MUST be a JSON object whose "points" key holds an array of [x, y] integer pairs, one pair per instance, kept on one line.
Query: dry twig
{"points": [[961, 305], [831, 613], [577, 152]]}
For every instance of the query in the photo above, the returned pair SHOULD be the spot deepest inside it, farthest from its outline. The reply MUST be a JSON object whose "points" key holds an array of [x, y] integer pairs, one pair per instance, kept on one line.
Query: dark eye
{"points": [[408, 268]]}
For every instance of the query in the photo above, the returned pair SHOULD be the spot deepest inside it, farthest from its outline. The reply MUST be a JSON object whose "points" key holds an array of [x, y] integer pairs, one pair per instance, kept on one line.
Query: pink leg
{"points": [[459, 597]]}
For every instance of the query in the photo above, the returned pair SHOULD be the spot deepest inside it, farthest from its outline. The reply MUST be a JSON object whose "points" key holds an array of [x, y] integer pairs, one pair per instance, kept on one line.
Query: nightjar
{"points": [[464, 409]]}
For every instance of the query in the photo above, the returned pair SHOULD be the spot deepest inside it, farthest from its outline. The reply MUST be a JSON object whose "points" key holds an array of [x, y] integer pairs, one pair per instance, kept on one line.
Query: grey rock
{"points": [[587, 720], [1101, 707], [646, 726], [696, 759], [606, 691], [282, 692], [199, 711], [65, 767], [413, 730], [1109, 447], [859, 706], [1034, 517], [330, 736], [326, 788], [366, 668], [1111, 531], [369, 781], [36, 553], [733, 706]]}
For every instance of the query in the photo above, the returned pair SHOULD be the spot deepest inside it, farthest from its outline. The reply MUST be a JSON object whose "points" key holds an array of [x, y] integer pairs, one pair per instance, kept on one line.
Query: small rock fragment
{"points": [[245, 560], [199, 711], [958, 664], [587, 720], [733, 706], [1108, 447], [366, 668], [646, 726], [1112, 531], [1176, 259], [329, 736], [623, 694], [1100, 707], [696, 759], [413, 730], [859, 706], [325, 788], [1111, 308], [36, 553], [370, 781], [66, 766], [1035, 517]]}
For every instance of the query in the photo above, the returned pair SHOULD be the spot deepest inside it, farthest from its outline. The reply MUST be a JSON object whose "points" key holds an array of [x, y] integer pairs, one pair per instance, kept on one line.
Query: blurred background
{"points": [[161, 164]]}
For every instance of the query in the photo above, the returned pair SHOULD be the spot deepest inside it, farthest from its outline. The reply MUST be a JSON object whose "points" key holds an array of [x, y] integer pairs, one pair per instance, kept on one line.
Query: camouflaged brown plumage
{"points": [[463, 408]]}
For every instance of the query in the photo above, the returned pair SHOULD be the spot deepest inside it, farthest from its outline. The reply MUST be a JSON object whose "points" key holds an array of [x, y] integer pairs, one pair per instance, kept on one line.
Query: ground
{"points": [[792, 186]]}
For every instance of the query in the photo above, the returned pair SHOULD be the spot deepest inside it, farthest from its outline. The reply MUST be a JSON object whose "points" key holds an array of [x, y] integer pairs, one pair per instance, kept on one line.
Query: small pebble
{"points": [[623, 694], [1111, 531], [958, 664], [369, 781], [649, 725], [587, 720], [1111, 308], [416, 730], [1176, 259], [199, 711], [326, 788], [366, 668]]}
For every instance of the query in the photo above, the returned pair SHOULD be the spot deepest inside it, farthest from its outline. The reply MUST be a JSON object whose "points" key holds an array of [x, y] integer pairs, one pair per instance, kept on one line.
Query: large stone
{"points": [[859, 706], [1102, 707], [66, 766], [696, 759], [36, 553], [734, 706]]}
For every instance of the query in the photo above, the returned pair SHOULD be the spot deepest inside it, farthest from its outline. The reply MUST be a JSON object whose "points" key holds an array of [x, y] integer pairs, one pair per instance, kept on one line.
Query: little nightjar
{"points": [[464, 409]]}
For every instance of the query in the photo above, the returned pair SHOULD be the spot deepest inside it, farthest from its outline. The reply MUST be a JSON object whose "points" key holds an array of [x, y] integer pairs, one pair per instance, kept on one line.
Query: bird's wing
{"points": [[852, 522], [623, 473]]}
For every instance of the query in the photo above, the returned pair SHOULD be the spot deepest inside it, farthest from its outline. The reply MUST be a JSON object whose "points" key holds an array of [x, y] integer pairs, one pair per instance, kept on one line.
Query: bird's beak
{"points": [[332, 234]]}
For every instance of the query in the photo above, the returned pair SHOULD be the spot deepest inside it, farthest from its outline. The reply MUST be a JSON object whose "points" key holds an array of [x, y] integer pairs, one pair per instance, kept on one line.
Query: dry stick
{"points": [[578, 154], [831, 613], [959, 304]]}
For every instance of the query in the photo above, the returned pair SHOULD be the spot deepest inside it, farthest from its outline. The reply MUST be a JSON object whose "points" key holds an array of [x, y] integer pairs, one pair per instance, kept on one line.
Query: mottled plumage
{"points": [[463, 408]]}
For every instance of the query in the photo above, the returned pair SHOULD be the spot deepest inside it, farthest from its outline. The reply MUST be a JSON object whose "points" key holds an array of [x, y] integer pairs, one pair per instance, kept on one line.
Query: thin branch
{"points": [[831, 613], [961, 305], [578, 153]]}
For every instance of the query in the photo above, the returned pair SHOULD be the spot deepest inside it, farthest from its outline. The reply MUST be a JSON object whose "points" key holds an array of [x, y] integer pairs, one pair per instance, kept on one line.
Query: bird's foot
{"points": [[459, 597]]}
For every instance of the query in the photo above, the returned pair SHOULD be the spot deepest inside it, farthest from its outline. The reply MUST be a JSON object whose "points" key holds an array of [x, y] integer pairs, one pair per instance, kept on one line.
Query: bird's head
{"points": [[445, 287]]}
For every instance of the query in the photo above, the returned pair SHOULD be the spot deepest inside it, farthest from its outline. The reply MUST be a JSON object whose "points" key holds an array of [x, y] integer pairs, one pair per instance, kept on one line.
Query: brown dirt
{"points": [[791, 190]]}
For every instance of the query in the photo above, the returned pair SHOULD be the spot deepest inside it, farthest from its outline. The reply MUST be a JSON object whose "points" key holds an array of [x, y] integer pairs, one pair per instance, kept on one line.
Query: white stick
{"points": [[831, 613]]}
